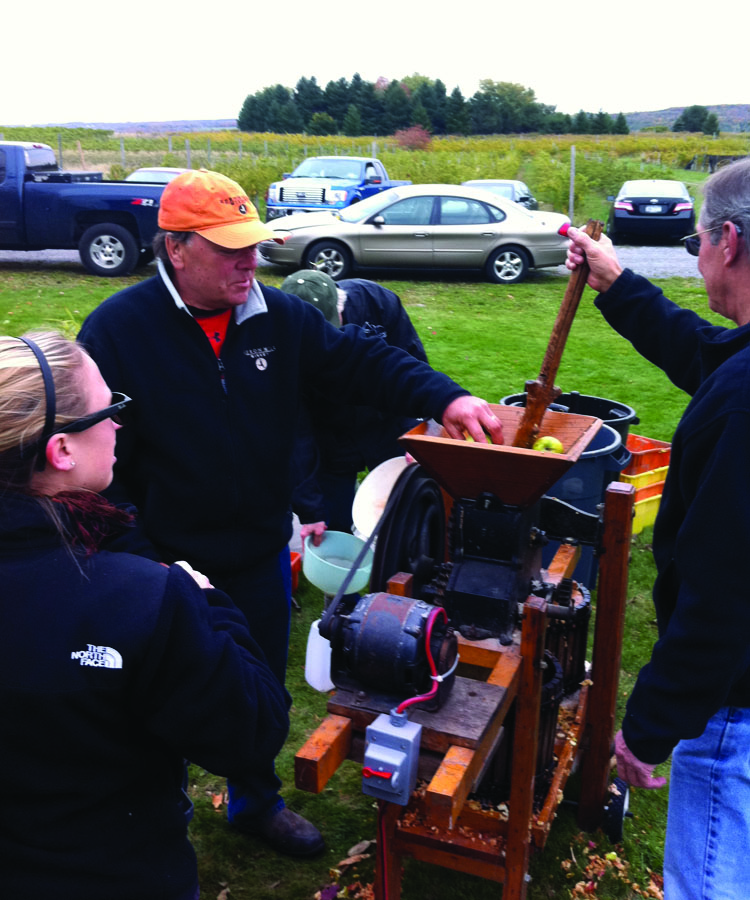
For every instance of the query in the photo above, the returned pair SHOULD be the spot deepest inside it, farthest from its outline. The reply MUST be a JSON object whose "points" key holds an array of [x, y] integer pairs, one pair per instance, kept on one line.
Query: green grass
{"points": [[491, 339]]}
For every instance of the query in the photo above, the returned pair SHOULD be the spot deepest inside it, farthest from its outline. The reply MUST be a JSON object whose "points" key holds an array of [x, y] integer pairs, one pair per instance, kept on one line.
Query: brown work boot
{"points": [[289, 833]]}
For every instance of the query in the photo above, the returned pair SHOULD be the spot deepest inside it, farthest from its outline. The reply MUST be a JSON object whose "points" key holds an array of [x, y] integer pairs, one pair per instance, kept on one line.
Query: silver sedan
{"points": [[426, 226]]}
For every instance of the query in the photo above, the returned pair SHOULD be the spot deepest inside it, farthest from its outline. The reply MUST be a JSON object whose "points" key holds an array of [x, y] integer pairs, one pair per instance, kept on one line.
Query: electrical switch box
{"points": [[391, 757]]}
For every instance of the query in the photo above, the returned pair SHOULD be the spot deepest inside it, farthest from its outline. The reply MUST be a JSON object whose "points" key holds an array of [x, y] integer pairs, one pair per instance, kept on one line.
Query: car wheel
{"points": [[507, 265], [108, 250], [329, 257]]}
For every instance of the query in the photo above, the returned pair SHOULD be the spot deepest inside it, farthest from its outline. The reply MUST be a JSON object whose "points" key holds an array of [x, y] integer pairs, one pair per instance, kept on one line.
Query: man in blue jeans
{"points": [[692, 699]]}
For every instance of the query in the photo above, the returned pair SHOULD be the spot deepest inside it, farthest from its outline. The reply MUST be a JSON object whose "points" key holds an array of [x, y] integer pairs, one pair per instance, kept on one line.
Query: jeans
{"points": [[707, 849]]}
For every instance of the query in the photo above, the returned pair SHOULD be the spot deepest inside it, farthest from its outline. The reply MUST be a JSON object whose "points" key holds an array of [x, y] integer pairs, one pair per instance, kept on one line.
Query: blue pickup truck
{"points": [[327, 183], [110, 223]]}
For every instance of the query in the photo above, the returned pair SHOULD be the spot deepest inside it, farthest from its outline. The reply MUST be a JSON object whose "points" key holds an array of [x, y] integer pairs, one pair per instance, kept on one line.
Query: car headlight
{"points": [[273, 193], [338, 196]]}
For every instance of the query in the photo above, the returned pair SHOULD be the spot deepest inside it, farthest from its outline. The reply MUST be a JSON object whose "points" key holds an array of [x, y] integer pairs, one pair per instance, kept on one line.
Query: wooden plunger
{"points": [[542, 391]]}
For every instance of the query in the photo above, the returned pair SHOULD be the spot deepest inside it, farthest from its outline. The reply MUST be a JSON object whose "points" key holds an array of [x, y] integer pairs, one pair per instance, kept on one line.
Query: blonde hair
{"points": [[23, 400]]}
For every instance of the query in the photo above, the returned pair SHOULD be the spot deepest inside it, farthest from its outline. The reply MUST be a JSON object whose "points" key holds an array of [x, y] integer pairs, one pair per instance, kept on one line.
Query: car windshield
{"points": [[655, 188], [368, 207], [497, 187], [328, 168]]}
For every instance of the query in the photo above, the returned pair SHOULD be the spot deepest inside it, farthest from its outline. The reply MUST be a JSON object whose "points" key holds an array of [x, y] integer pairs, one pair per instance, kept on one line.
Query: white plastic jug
{"points": [[318, 660]]}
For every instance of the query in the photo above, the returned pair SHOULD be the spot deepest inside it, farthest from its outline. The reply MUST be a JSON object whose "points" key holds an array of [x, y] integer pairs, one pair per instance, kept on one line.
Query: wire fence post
{"points": [[571, 194]]}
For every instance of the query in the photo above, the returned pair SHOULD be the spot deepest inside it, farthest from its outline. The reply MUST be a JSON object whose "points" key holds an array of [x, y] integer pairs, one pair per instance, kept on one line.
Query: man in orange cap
{"points": [[215, 363]]}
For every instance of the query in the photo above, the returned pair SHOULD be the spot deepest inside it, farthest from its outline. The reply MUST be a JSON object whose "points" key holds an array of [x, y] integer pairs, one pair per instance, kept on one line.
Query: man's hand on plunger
{"points": [[604, 266], [472, 415]]}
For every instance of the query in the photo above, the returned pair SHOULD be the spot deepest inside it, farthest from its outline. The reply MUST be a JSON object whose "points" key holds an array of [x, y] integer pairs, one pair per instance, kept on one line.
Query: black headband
{"points": [[49, 399]]}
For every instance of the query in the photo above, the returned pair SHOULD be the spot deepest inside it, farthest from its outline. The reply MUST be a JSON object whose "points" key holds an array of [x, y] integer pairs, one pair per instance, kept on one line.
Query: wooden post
{"points": [[612, 591], [387, 884], [525, 742]]}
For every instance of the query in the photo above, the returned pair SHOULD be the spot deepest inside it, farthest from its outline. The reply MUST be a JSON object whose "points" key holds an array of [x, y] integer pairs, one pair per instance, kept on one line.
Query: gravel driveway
{"points": [[653, 262]]}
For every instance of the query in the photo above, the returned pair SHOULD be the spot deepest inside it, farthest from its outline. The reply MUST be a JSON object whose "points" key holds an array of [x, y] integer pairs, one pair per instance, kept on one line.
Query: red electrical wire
{"points": [[433, 668]]}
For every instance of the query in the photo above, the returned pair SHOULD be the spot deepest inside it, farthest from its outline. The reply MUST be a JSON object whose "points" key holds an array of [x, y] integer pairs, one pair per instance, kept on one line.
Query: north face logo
{"points": [[100, 657]]}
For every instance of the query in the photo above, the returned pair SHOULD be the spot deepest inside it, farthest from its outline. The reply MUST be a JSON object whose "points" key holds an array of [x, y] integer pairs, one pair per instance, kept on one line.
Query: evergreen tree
{"points": [[249, 117], [486, 114], [693, 118], [601, 123], [457, 114], [438, 114], [261, 111], [371, 109], [581, 124], [711, 125], [419, 116], [337, 100], [288, 120], [308, 98], [620, 125], [397, 108], [352, 124]]}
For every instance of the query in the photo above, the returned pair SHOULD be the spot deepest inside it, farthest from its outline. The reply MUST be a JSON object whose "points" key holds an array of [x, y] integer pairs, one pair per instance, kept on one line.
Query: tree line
{"points": [[360, 107]]}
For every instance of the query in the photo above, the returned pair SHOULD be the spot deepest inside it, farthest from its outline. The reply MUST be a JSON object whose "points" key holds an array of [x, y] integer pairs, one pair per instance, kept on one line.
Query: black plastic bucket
{"points": [[584, 486], [617, 415]]}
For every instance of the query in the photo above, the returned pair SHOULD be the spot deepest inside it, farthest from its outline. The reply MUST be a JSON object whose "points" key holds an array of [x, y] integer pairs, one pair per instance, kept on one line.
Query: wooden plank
{"points": [[525, 748], [387, 884], [565, 759], [462, 721], [459, 852], [487, 653], [612, 591], [323, 752], [563, 563], [506, 670], [451, 785]]}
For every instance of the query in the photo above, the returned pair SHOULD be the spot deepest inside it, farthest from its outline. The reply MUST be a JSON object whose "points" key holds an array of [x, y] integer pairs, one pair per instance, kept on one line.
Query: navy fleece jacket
{"points": [[113, 670], [207, 457], [701, 661]]}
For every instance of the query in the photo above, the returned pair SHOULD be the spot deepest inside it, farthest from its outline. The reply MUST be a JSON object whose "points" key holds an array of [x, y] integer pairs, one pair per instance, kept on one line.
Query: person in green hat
{"points": [[339, 440]]}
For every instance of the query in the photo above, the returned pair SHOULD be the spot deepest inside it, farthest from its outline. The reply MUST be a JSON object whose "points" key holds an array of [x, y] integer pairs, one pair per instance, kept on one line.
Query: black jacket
{"points": [[346, 438], [701, 661], [113, 670], [207, 457]]}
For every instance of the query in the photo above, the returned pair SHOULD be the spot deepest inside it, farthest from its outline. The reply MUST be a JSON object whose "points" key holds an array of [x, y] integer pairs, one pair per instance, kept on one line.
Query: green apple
{"points": [[548, 443]]}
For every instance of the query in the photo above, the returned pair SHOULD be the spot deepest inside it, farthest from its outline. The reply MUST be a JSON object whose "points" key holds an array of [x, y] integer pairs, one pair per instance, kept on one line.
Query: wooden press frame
{"points": [[438, 826]]}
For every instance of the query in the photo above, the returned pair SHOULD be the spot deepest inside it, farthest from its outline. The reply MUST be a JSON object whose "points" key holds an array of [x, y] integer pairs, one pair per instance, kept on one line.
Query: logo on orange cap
{"points": [[213, 206]]}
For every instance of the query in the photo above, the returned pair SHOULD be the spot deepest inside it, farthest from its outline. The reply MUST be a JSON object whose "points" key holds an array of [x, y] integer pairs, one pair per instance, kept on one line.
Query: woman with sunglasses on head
{"points": [[692, 699], [113, 668]]}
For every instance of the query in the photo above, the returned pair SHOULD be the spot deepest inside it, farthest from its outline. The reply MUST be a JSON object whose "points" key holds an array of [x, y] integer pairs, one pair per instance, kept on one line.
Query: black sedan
{"points": [[653, 209]]}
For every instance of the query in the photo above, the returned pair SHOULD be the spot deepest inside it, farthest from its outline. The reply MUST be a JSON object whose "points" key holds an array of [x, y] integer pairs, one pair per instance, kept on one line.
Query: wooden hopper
{"points": [[515, 475]]}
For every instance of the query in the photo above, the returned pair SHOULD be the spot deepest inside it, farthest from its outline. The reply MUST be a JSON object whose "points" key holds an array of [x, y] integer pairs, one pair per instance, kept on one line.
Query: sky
{"points": [[152, 61]]}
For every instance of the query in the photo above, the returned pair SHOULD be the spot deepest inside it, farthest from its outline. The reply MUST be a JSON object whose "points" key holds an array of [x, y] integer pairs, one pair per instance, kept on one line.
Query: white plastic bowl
{"points": [[328, 565]]}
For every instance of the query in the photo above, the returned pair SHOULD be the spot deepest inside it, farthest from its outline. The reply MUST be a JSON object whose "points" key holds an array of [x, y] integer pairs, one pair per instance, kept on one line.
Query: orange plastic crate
{"points": [[650, 490], [296, 567], [647, 453]]}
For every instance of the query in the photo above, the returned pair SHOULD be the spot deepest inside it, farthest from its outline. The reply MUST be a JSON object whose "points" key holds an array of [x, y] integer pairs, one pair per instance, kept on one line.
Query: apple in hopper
{"points": [[548, 443]]}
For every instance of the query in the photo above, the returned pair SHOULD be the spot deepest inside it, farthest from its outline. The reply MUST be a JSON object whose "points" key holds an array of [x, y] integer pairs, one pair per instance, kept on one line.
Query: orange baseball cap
{"points": [[214, 207]]}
